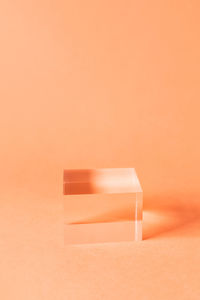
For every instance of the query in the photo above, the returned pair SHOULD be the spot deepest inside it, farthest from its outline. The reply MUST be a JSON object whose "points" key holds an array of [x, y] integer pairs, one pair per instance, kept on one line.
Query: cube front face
{"points": [[102, 205]]}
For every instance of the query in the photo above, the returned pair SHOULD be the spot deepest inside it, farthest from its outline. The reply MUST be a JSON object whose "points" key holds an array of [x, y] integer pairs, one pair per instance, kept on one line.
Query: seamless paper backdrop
{"points": [[89, 84]]}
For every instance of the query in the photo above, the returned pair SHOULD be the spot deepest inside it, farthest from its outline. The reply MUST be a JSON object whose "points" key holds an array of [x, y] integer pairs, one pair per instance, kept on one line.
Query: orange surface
{"points": [[97, 84]]}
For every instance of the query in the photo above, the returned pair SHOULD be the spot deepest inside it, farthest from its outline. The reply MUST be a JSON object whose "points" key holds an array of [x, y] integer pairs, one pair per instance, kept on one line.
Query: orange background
{"points": [[87, 84]]}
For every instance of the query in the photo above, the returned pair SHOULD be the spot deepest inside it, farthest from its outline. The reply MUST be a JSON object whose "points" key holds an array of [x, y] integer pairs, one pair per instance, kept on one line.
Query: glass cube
{"points": [[102, 205]]}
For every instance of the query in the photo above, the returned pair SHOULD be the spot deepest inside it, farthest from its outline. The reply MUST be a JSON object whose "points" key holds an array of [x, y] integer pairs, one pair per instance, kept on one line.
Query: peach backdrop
{"points": [[99, 84]]}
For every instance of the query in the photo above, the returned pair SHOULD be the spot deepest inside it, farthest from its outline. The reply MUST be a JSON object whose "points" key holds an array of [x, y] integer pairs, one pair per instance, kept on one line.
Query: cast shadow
{"points": [[171, 216], [163, 216]]}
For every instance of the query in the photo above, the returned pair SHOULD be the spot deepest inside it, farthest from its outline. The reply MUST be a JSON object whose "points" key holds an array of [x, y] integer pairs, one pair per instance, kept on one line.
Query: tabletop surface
{"points": [[36, 265]]}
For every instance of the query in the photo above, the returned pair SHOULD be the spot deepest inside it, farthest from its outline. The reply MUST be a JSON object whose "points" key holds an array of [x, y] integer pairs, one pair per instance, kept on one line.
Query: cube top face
{"points": [[100, 181]]}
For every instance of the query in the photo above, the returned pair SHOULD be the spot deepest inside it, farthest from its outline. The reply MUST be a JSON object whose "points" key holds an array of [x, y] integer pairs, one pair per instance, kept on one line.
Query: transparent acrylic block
{"points": [[102, 205]]}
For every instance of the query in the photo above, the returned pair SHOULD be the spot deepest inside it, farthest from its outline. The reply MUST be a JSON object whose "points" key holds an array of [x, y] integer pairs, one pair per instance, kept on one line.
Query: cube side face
{"points": [[101, 217], [138, 216]]}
